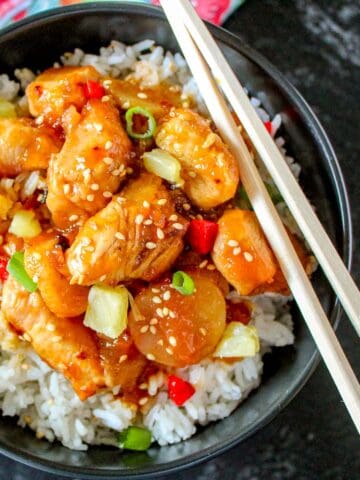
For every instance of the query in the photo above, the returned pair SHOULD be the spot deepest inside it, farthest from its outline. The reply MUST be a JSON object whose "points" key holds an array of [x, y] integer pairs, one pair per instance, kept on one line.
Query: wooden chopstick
{"points": [[298, 204], [269, 219]]}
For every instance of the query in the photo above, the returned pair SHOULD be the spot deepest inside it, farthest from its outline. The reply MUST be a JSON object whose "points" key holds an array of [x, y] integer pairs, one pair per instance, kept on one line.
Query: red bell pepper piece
{"points": [[3, 264], [179, 390], [93, 90], [238, 312], [268, 126], [202, 235]]}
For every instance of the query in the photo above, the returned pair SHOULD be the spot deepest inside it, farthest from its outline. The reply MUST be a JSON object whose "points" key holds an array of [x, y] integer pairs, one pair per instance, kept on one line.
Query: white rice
{"points": [[45, 401]]}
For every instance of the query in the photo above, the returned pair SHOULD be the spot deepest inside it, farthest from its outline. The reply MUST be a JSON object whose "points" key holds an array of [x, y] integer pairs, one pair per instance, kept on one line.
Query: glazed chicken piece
{"points": [[241, 252], [24, 146], [137, 235], [45, 263], [91, 165], [208, 168], [56, 89], [157, 100], [65, 344], [122, 362]]}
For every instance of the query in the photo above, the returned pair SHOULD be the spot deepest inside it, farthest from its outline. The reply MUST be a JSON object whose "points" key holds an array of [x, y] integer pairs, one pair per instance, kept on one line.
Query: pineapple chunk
{"points": [[5, 205], [107, 310], [25, 224], [238, 341]]}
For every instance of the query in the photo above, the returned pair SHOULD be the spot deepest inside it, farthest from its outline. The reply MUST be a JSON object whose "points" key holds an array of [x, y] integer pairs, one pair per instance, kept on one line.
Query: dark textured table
{"points": [[316, 44]]}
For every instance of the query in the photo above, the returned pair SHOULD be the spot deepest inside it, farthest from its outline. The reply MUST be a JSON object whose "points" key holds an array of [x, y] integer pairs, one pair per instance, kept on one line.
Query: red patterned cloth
{"points": [[215, 11]]}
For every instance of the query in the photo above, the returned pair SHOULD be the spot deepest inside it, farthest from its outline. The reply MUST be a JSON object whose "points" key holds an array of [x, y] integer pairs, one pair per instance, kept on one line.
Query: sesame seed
{"points": [[155, 290], [172, 341], [160, 234], [66, 188], [199, 216], [107, 194], [144, 329], [126, 105], [90, 197], [105, 98], [192, 174], [165, 311], [162, 201], [94, 186], [159, 312], [178, 226], [233, 243], [202, 330], [39, 119], [50, 327], [156, 299], [143, 400], [119, 236], [146, 204], [211, 267], [123, 358], [154, 321], [108, 145], [148, 221], [143, 386], [150, 356], [172, 314], [150, 245], [129, 170], [160, 342], [86, 241], [107, 83], [142, 95], [152, 329], [98, 127], [173, 217], [186, 206], [248, 257], [116, 172], [236, 251], [167, 295], [108, 160], [120, 199], [90, 248], [80, 159], [35, 278], [81, 166], [139, 219], [102, 278], [203, 264], [169, 351]]}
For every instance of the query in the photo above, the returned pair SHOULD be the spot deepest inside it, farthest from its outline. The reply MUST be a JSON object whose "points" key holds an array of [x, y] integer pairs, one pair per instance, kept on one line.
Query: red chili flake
{"points": [[3, 264], [202, 235], [238, 312], [268, 126], [93, 90], [179, 390]]}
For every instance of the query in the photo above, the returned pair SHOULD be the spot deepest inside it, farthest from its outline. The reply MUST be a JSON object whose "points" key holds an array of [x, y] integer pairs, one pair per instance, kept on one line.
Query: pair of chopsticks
{"points": [[202, 54]]}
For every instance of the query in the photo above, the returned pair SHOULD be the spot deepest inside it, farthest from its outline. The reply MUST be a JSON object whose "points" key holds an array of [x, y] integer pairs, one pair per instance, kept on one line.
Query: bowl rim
{"points": [[326, 151]]}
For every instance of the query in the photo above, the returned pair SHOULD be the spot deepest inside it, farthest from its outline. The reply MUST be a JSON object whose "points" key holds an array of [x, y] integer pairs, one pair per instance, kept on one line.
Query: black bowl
{"points": [[37, 43]]}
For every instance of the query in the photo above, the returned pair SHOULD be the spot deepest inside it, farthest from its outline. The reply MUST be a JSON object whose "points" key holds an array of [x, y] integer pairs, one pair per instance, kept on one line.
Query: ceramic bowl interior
{"points": [[40, 42]]}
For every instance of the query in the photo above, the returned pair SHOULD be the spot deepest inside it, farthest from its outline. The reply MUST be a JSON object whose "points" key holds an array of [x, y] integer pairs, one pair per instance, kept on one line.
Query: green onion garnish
{"points": [[242, 198], [135, 438], [151, 122], [17, 270], [183, 283]]}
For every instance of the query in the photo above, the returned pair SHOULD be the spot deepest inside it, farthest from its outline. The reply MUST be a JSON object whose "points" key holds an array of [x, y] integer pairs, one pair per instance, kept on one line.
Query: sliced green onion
{"points": [[17, 270], [163, 165], [183, 283], [7, 109], [144, 113], [135, 438], [274, 193], [242, 199]]}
